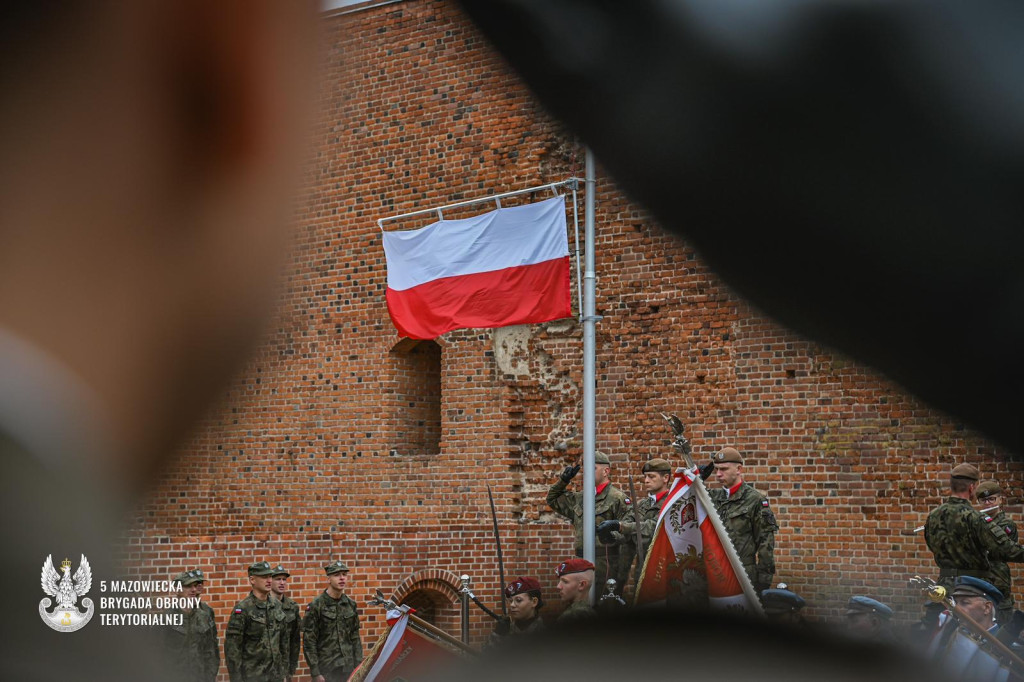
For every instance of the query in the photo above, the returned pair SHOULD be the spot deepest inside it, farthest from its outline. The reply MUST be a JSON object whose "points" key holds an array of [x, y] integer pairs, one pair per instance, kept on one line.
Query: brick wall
{"points": [[312, 453]]}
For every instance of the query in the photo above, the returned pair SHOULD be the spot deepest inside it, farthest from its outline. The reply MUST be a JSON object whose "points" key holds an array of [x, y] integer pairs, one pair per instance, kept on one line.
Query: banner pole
{"points": [[730, 551], [589, 366]]}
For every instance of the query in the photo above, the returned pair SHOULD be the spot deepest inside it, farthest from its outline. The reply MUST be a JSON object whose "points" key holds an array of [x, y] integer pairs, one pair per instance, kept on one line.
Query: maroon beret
{"points": [[520, 585], [573, 566]]}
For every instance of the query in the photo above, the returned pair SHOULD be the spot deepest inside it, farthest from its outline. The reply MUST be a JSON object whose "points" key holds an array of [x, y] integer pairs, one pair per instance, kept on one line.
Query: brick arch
{"points": [[435, 580]]}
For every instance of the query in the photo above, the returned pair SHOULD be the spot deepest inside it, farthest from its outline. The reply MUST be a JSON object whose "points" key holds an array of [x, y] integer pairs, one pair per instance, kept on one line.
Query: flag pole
{"points": [[589, 319]]}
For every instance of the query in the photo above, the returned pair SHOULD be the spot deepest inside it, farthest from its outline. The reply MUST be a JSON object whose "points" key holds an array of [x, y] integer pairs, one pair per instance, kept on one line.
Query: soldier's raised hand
{"points": [[569, 473]]}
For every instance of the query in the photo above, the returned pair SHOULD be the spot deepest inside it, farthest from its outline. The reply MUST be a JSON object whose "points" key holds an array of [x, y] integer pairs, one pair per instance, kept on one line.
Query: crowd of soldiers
{"points": [[971, 548], [263, 635]]}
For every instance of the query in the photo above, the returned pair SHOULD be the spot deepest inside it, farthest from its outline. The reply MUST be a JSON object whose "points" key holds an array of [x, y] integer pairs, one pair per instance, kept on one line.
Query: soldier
{"points": [[575, 577], [961, 540], [331, 629], [255, 646], [747, 517], [868, 619], [643, 512], [524, 605], [292, 617], [958, 650], [990, 498], [192, 647], [783, 606], [609, 503]]}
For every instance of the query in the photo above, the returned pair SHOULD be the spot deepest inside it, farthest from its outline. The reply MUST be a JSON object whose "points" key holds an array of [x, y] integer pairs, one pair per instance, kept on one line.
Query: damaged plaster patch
{"points": [[511, 349]]}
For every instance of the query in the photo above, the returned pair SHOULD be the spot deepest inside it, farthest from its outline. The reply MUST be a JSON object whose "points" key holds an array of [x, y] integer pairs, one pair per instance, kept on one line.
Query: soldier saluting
{"points": [[962, 541], [609, 503]]}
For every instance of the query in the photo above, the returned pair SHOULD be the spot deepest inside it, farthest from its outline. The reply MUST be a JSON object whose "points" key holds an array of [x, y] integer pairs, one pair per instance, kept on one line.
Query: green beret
{"points": [[988, 489], [659, 465], [190, 577], [280, 571], [336, 567], [601, 458], [261, 569], [966, 471], [728, 455]]}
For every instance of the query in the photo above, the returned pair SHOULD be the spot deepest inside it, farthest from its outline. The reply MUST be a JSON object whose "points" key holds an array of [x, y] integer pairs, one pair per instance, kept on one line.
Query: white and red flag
{"points": [[404, 653], [691, 563], [508, 266]]}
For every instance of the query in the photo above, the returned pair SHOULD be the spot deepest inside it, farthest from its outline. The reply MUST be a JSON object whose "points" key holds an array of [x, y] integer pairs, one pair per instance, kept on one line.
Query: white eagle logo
{"points": [[66, 589]]}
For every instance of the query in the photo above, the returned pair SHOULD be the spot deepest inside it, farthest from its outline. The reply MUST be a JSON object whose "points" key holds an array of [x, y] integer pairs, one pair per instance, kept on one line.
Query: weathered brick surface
{"points": [[315, 451]]}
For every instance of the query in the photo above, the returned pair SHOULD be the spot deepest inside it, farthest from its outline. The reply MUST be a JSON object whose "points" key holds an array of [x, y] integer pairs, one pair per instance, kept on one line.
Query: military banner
{"points": [[406, 651], [689, 563]]}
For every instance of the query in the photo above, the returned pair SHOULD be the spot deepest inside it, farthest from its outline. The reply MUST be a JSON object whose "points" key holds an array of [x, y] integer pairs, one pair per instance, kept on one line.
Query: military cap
{"points": [[657, 464], [988, 489], [573, 566], [190, 577], [261, 569], [338, 566], [521, 585], [969, 586], [601, 458], [280, 571], [965, 471], [728, 455], [860, 604], [779, 600]]}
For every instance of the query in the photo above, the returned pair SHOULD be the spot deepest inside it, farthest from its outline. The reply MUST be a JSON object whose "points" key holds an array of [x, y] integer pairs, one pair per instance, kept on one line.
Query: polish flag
{"points": [[509, 266], [688, 565]]}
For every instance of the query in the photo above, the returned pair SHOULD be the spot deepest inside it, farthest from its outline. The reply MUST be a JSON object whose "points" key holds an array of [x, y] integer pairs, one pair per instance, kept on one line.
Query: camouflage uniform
{"points": [[256, 642], [292, 626], [293, 623], [1000, 569], [964, 543], [610, 503], [751, 526], [576, 611], [644, 513], [331, 634], [986, 492], [515, 630], [192, 646]]}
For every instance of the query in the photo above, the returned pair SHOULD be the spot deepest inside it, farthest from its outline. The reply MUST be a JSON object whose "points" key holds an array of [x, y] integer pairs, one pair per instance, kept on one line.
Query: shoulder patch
{"points": [[988, 518], [764, 502], [628, 501], [238, 610]]}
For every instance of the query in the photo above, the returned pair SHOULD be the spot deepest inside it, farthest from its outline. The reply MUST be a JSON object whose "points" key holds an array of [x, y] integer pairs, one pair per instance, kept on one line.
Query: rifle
{"points": [[1003, 653]]}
